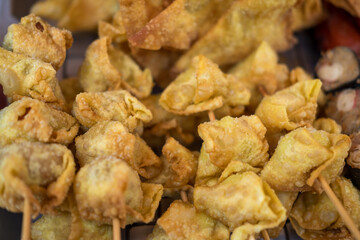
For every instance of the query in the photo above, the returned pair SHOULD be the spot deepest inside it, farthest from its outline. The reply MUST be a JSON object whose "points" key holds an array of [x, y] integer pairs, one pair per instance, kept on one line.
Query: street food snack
{"points": [[111, 138], [203, 87], [302, 156], [182, 221], [35, 38], [93, 107], [32, 120], [36, 172], [108, 68], [96, 199]]}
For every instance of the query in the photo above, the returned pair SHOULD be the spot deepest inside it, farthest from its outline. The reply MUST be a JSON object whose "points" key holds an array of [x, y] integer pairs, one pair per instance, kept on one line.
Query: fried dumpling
{"points": [[91, 108], [70, 87], [24, 76], [240, 31], [304, 154], [307, 14], [35, 38], [203, 87], [315, 217], [112, 138], [32, 120], [108, 68], [51, 9], [115, 30], [38, 172], [96, 199], [182, 221], [327, 124], [291, 107]]}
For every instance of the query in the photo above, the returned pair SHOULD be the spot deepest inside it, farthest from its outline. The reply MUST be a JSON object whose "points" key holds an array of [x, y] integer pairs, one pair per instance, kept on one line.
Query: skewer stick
{"points": [[265, 235], [211, 116], [116, 229], [184, 196], [340, 208], [26, 221]]}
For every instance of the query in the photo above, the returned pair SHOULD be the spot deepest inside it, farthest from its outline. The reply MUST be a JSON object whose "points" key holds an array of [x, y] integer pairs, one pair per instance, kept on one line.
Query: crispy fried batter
{"points": [[70, 87], [307, 14], [327, 124]]}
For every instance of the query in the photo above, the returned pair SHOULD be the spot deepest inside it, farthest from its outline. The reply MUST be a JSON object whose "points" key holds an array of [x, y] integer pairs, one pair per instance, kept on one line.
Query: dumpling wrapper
{"points": [[240, 31], [32, 120], [115, 30], [315, 217], [132, 201], [108, 68], [91, 108], [182, 221], [241, 201], [291, 107], [112, 138], [23, 76], [179, 165], [307, 14], [35, 38], [327, 124], [304, 154], [70, 87], [203, 87], [51, 9], [41, 173]]}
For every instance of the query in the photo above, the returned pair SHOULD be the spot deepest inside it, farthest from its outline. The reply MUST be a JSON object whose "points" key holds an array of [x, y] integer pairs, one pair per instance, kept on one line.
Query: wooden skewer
{"points": [[340, 208], [116, 229], [26, 221], [211, 116], [265, 235], [184, 196]]}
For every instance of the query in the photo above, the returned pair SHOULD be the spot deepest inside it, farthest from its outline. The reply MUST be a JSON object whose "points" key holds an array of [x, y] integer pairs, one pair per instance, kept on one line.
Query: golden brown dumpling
{"points": [[108, 68], [182, 221], [304, 154], [315, 217], [307, 14], [327, 124], [24, 76], [32, 120], [290, 108], [70, 87], [203, 87], [41, 173], [35, 38], [91, 108], [113, 138], [132, 201], [115, 30]]}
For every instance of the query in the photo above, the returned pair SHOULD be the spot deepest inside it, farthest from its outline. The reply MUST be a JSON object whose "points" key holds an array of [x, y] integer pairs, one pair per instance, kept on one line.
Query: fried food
{"points": [[327, 124], [203, 87], [179, 165], [76, 15], [304, 154], [41, 173], [108, 68], [351, 6], [35, 38], [24, 76], [32, 120], [315, 217], [70, 87], [194, 18], [290, 108], [112, 138], [307, 14], [182, 221], [115, 30], [241, 201], [132, 201], [240, 31], [91, 108]]}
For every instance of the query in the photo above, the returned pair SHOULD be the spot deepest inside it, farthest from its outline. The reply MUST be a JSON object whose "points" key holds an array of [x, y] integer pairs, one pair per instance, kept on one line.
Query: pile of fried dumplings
{"points": [[101, 145]]}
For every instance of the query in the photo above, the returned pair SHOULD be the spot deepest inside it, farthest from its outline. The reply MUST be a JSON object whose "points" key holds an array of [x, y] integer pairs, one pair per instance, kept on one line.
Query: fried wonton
{"points": [[327, 124], [182, 221], [91, 108], [132, 201], [240, 31], [32, 120], [261, 70], [113, 138], [315, 217], [179, 165], [307, 14], [40, 173], [115, 30], [63, 226], [77, 15], [24, 76], [70, 87], [241, 201], [108, 68], [290, 108], [194, 18], [35, 38], [304, 154], [203, 87]]}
